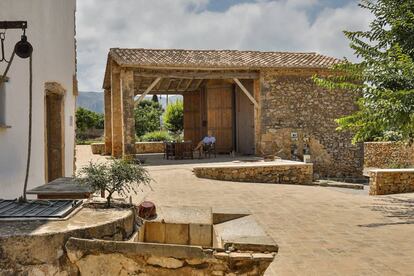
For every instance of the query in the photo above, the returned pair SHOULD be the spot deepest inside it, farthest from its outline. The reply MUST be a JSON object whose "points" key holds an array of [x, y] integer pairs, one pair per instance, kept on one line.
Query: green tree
{"points": [[384, 77], [174, 117], [118, 176], [86, 119], [147, 117]]}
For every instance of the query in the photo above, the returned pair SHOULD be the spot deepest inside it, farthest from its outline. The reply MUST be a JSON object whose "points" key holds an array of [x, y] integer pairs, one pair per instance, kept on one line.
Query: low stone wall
{"points": [[295, 173], [391, 181], [99, 257], [98, 148], [140, 147], [388, 155], [37, 247], [149, 147]]}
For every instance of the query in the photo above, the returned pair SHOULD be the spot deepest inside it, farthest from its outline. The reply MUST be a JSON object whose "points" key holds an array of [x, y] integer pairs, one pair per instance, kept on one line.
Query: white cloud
{"points": [[263, 25]]}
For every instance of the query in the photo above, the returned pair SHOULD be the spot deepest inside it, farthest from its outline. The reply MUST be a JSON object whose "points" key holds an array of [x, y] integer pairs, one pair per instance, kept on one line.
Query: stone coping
{"points": [[77, 247], [149, 142], [184, 215], [64, 185], [392, 170], [261, 163], [80, 221], [88, 246]]}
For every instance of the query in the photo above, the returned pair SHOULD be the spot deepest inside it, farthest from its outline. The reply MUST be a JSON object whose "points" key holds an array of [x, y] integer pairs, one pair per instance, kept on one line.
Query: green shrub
{"points": [[174, 117], [147, 117], [86, 119], [156, 136]]}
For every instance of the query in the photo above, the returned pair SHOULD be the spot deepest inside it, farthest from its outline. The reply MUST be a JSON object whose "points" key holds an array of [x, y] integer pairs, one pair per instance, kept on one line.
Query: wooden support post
{"points": [[116, 110], [152, 85], [128, 126], [246, 92], [108, 122]]}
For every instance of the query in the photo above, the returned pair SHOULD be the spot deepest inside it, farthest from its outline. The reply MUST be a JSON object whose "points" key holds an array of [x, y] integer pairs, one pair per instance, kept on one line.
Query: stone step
{"points": [[243, 234]]}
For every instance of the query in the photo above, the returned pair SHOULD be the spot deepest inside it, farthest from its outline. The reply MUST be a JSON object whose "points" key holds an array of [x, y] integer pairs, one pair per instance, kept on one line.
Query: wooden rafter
{"points": [[188, 85], [179, 84], [246, 92], [152, 85], [198, 84], [169, 84]]}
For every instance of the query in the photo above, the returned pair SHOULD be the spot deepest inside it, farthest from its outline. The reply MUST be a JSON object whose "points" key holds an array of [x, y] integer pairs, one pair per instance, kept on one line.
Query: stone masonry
{"points": [[388, 155], [282, 173], [391, 181], [98, 257], [294, 112], [140, 147]]}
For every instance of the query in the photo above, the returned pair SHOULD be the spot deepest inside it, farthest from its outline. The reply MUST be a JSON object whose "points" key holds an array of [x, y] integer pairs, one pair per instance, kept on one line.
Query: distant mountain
{"points": [[94, 101]]}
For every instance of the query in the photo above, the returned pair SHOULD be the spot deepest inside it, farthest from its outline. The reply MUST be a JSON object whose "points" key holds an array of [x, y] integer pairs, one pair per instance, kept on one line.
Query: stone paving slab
{"points": [[320, 231]]}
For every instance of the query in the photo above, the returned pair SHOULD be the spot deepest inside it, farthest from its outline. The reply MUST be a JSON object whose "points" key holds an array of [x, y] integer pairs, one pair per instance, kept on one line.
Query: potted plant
{"points": [[120, 176]]}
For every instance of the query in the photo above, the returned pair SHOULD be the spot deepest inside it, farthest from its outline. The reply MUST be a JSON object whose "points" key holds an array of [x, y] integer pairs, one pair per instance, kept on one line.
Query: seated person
{"points": [[207, 140]]}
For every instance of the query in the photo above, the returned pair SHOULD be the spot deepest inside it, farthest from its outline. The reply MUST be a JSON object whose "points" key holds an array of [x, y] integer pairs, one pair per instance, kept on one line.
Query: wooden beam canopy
{"points": [[177, 74]]}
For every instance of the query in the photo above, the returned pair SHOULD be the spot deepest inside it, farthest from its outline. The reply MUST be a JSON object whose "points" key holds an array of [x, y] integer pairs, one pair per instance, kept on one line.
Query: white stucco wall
{"points": [[51, 31]]}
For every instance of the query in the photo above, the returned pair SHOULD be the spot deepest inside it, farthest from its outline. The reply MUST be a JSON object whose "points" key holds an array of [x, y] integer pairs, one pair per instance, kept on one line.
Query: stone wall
{"points": [[391, 181], [284, 174], [140, 147], [98, 257], [38, 247], [149, 147], [292, 105], [388, 155]]}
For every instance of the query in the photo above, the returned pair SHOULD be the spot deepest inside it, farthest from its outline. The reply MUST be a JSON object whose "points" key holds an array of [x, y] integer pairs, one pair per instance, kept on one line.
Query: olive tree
{"points": [[120, 176]]}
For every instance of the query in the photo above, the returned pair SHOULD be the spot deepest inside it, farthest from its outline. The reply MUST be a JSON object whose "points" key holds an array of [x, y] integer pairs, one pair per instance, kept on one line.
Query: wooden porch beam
{"points": [[198, 75], [188, 85], [154, 83], [246, 92]]}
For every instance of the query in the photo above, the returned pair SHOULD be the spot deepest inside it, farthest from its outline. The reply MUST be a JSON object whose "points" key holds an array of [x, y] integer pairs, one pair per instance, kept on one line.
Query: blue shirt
{"points": [[209, 140]]}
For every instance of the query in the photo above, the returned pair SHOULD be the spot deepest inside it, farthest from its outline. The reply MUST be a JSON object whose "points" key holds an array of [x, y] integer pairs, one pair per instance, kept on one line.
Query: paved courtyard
{"points": [[320, 231]]}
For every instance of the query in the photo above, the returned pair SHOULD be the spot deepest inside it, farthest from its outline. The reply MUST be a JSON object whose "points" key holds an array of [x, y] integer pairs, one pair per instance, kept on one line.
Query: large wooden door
{"points": [[192, 120], [220, 115]]}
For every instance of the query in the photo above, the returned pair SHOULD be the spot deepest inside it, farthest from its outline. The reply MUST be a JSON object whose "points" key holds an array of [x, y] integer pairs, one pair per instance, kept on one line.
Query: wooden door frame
{"points": [[54, 89]]}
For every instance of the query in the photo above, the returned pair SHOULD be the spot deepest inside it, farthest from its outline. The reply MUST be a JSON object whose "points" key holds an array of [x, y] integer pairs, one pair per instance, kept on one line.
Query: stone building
{"points": [[51, 31], [254, 102]]}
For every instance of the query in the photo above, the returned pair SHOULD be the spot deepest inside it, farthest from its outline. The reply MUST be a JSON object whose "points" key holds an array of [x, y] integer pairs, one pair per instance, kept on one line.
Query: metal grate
{"points": [[11, 209]]}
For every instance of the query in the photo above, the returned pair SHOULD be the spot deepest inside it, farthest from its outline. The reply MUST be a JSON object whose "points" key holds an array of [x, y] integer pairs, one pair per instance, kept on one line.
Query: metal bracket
{"points": [[4, 25]]}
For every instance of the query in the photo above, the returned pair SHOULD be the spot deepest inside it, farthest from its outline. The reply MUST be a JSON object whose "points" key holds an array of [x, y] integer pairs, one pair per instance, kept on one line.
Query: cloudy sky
{"points": [[278, 25]]}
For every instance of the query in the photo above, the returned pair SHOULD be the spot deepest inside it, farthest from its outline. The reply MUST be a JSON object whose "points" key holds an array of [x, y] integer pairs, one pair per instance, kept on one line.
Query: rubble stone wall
{"points": [[285, 174], [388, 155], [40, 249], [140, 147], [294, 112], [391, 181], [98, 257]]}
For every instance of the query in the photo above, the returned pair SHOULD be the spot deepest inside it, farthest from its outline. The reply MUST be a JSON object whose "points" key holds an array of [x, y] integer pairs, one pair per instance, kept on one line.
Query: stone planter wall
{"points": [[140, 147], [284, 174], [391, 181], [38, 247], [149, 147], [99, 257], [388, 155]]}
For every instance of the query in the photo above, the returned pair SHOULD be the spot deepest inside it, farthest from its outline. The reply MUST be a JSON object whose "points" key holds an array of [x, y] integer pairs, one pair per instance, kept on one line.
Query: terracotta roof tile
{"points": [[219, 58]]}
